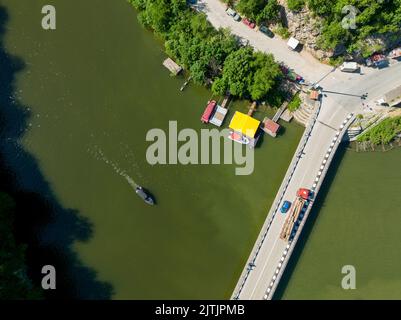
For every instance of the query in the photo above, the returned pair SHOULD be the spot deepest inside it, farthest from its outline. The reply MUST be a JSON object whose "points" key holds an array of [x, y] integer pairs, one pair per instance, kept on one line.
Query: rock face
{"points": [[306, 28]]}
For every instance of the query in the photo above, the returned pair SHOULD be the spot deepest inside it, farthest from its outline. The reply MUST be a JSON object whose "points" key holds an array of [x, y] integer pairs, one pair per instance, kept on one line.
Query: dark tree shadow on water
{"points": [[46, 228], [308, 227]]}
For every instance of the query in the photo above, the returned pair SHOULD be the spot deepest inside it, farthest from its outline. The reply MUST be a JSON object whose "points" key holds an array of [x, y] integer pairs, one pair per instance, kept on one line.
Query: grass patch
{"points": [[384, 132], [294, 103]]}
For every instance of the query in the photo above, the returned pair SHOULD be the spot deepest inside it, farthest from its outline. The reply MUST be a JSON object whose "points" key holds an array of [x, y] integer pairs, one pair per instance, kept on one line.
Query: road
{"points": [[302, 62], [341, 97], [335, 108]]}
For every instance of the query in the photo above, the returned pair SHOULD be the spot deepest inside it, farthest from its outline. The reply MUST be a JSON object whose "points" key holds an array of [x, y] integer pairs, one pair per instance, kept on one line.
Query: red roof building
{"points": [[270, 127]]}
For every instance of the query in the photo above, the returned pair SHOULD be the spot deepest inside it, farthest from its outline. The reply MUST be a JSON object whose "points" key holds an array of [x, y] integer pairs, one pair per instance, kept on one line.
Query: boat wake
{"points": [[99, 155]]}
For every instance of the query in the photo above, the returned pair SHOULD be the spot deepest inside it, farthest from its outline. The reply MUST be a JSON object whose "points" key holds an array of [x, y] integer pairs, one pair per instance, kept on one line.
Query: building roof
{"points": [[293, 43], [271, 125], [314, 95], [244, 124], [393, 97]]}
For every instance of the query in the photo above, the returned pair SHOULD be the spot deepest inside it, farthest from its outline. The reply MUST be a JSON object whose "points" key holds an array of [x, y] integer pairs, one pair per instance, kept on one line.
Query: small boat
{"points": [[208, 111], [144, 195], [238, 138]]}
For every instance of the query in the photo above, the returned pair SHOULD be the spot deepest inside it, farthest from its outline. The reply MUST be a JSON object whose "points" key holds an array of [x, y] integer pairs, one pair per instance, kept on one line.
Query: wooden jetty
{"points": [[185, 83], [172, 66], [226, 100], [280, 111], [252, 109], [286, 116]]}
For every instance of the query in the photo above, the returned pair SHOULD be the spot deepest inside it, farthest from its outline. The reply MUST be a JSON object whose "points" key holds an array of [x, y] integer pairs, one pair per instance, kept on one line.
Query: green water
{"points": [[94, 87], [357, 222]]}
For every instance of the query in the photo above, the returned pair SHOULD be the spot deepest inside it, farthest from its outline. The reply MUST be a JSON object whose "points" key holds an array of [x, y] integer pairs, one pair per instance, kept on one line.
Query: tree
{"points": [[14, 282], [265, 75], [269, 13], [158, 15], [237, 71], [295, 5], [219, 86], [259, 10]]}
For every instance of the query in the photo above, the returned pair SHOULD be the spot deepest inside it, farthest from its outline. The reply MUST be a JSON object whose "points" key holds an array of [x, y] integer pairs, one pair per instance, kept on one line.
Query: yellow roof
{"points": [[244, 124]]}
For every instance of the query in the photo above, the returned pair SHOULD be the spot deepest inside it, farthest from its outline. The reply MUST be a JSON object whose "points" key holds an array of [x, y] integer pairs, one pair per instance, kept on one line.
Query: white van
{"points": [[231, 12], [349, 67]]}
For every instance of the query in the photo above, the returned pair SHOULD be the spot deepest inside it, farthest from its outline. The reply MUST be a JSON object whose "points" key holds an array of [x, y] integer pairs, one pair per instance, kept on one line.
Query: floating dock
{"points": [[286, 116], [172, 66], [218, 116]]}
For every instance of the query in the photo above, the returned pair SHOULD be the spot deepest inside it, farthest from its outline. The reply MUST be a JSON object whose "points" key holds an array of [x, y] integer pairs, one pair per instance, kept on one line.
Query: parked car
{"points": [[249, 23], [237, 17], [230, 12], [286, 205], [266, 31], [233, 14], [349, 67]]}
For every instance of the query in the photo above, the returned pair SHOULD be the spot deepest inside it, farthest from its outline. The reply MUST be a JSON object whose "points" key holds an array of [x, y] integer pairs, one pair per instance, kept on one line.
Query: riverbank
{"points": [[381, 134], [213, 57], [88, 115]]}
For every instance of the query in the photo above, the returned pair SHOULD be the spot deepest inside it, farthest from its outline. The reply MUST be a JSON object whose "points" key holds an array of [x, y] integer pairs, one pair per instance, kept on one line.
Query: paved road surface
{"points": [[342, 96]]}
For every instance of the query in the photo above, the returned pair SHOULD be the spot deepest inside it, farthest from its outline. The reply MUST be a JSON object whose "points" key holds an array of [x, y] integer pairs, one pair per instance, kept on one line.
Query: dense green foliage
{"points": [[384, 132], [294, 103], [14, 283], [282, 32], [373, 18], [247, 74], [209, 54], [259, 10], [295, 5]]}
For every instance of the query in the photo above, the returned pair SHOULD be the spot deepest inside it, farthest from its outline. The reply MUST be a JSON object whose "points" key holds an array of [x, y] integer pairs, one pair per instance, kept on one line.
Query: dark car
{"points": [[266, 31], [286, 205]]}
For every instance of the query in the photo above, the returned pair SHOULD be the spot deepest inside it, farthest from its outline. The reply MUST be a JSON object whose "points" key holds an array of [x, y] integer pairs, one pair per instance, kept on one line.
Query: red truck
{"points": [[303, 193], [249, 23]]}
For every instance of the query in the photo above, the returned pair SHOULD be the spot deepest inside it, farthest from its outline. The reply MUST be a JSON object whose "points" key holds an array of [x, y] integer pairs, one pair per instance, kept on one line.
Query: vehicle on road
{"points": [[395, 54], [242, 41], [145, 196], [303, 193], [289, 227], [377, 60], [230, 12], [233, 14], [349, 67], [266, 31], [249, 23], [293, 43], [286, 205]]}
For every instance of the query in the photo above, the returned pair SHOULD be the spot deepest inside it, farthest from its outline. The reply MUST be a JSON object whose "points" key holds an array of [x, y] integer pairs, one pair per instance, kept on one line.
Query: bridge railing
{"points": [[276, 203], [315, 188]]}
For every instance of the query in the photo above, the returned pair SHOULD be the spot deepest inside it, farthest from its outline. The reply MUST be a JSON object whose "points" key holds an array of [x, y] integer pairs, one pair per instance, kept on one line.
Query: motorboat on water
{"points": [[238, 138], [144, 195]]}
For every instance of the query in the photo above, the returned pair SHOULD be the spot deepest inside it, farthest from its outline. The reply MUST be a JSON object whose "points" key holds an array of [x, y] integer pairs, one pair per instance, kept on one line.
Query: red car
{"points": [[250, 24]]}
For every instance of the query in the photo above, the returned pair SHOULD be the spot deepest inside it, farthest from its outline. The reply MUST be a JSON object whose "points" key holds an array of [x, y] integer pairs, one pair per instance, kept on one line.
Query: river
{"points": [[90, 91], [87, 94]]}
